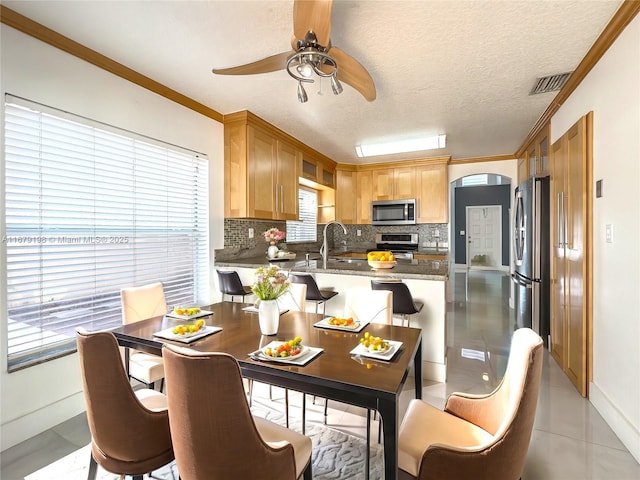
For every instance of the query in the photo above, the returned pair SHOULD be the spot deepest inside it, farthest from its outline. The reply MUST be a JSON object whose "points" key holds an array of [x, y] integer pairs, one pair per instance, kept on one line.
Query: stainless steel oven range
{"points": [[403, 245]]}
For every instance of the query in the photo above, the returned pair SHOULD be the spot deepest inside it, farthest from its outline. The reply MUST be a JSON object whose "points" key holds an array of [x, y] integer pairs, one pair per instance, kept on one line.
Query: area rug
{"points": [[336, 455]]}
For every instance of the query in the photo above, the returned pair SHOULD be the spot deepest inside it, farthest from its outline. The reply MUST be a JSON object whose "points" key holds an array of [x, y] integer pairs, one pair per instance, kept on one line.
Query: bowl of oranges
{"points": [[381, 259]]}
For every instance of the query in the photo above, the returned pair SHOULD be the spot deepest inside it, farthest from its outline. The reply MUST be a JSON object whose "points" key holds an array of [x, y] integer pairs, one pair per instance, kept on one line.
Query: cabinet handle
{"points": [[276, 198], [281, 198]]}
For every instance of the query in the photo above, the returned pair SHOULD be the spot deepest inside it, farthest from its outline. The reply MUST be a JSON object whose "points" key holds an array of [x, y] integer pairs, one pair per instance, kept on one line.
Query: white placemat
{"points": [[188, 337]]}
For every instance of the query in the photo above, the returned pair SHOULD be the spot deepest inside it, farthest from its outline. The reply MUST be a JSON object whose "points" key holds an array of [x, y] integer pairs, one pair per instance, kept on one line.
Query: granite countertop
{"points": [[418, 269]]}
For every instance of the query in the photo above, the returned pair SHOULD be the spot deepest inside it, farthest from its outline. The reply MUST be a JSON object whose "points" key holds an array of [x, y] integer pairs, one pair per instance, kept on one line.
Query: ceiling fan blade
{"points": [[266, 65], [351, 72], [312, 15]]}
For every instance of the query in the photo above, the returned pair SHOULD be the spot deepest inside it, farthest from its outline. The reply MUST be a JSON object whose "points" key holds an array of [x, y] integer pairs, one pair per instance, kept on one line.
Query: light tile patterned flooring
{"points": [[570, 439]]}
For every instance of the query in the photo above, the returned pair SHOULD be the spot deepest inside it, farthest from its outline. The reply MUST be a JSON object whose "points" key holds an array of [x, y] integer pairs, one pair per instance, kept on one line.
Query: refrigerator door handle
{"points": [[518, 281]]}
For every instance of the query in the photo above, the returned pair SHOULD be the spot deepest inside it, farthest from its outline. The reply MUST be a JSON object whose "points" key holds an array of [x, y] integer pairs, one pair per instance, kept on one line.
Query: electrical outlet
{"points": [[359, 233], [608, 229], [251, 233], [436, 233]]}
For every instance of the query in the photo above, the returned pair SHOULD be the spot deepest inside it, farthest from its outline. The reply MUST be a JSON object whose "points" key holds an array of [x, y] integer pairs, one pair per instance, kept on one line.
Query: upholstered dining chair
{"points": [[140, 303], [480, 437], [403, 302], [230, 284], [213, 431], [129, 430]]}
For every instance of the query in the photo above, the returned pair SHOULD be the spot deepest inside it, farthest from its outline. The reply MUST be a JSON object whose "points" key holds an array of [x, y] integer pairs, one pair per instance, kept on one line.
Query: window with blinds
{"points": [[91, 209], [306, 230]]}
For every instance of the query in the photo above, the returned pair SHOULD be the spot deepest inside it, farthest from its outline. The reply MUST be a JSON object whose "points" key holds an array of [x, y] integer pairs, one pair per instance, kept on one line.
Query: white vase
{"points": [[269, 316], [272, 251]]}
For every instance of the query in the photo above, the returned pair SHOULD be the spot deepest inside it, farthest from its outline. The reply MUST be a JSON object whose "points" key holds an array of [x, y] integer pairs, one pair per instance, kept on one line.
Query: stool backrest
{"points": [[402, 299], [313, 292], [230, 283]]}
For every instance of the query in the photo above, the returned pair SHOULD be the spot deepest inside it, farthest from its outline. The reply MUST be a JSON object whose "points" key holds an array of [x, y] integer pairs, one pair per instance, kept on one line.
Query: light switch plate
{"points": [[251, 233], [461, 232]]}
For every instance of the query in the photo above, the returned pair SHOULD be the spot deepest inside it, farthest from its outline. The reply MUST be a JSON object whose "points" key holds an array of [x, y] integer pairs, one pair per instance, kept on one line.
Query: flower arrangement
{"points": [[273, 236], [270, 283]]}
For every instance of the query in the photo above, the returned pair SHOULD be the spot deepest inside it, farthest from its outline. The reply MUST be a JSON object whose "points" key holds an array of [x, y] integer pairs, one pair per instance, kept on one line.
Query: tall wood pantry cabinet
{"points": [[571, 300]]}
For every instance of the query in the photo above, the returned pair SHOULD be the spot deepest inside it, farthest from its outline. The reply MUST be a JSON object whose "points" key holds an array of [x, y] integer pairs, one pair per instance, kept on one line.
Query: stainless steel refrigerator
{"points": [[532, 256]]}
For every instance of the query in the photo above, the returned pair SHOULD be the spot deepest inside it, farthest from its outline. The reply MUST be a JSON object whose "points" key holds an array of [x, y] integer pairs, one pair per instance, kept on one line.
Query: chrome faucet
{"points": [[324, 250]]}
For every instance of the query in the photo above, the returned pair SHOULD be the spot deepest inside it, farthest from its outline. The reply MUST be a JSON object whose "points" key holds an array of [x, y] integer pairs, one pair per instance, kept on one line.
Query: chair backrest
{"points": [[366, 305], [402, 298], [140, 303], [229, 283], [294, 298], [211, 425], [313, 292], [127, 438], [508, 413]]}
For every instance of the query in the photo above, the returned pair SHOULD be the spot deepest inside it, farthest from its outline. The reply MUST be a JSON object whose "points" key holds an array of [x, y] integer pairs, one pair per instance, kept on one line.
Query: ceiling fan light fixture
{"points": [[305, 70], [302, 94], [336, 86], [402, 146]]}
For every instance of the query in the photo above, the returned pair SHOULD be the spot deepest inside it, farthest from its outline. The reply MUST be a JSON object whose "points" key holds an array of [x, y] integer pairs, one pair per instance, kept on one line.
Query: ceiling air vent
{"points": [[551, 83]]}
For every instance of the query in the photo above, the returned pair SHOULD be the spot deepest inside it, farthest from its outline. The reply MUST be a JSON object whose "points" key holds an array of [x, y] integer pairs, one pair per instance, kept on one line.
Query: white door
{"points": [[484, 237]]}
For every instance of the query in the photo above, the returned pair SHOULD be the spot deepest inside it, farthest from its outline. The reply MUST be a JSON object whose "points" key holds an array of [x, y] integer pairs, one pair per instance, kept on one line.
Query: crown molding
{"points": [[36, 30], [623, 16]]}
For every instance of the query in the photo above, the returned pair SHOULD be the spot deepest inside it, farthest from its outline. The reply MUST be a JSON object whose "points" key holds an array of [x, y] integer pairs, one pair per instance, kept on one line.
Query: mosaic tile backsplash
{"points": [[238, 244]]}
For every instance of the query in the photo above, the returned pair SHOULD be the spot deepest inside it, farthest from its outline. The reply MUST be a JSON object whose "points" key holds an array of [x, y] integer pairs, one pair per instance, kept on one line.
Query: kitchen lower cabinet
{"points": [[571, 302]]}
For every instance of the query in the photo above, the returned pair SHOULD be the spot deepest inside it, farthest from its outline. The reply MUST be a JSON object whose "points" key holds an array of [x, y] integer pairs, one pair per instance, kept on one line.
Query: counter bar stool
{"points": [[314, 294], [403, 302], [230, 284]]}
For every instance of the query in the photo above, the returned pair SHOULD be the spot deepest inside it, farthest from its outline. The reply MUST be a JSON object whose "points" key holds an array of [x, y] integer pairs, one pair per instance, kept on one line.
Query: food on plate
{"points": [[381, 256], [374, 344], [341, 322], [187, 311], [190, 328], [290, 348]]}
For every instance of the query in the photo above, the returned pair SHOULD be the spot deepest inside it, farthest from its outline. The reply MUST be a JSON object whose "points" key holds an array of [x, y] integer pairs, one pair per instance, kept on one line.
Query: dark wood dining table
{"points": [[334, 374]]}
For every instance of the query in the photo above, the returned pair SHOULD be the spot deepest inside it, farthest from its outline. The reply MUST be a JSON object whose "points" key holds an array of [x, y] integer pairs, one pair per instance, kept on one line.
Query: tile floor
{"points": [[570, 440]]}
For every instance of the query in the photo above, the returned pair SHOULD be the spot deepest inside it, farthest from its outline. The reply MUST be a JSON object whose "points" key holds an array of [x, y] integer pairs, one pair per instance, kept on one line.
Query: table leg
{"points": [[388, 410]]}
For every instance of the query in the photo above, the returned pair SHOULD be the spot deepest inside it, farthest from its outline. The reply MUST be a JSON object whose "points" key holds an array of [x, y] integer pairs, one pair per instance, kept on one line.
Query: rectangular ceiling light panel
{"points": [[402, 146]]}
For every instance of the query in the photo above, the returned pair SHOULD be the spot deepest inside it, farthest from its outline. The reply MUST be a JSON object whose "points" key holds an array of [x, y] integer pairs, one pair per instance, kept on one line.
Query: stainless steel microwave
{"points": [[393, 212]]}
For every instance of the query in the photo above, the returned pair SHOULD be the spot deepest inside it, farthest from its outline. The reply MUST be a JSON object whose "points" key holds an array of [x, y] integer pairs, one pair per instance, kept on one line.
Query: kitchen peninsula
{"points": [[426, 279]]}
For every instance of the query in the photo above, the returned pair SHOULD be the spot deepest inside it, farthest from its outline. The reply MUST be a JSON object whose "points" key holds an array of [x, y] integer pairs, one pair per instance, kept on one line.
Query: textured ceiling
{"points": [[463, 68]]}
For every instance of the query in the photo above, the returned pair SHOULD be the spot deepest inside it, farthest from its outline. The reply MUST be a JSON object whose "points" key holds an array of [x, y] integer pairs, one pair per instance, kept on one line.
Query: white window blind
{"points": [[90, 210], [306, 229]]}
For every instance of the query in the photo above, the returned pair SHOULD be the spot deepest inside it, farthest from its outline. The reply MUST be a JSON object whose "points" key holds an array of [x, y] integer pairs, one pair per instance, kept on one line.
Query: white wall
{"points": [[37, 398], [612, 92]]}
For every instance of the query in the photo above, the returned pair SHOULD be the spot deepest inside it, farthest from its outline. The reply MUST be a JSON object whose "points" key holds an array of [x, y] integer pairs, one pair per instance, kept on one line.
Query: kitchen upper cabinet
{"points": [[353, 196], [261, 174], [394, 183], [535, 160], [346, 196], [432, 188], [364, 184], [317, 171], [570, 275]]}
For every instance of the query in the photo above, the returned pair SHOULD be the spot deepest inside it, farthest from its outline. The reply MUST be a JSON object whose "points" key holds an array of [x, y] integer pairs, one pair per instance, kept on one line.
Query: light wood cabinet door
{"points": [[523, 169], [404, 183], [570, 281], [364, 196], [432, 188], [382, 184], [262, 165], [235, 167], [346, 196], [286, 182]]}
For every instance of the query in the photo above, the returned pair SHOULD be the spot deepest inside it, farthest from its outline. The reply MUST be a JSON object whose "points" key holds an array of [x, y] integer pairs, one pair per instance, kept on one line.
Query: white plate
{"points": [[387, 355], [187, 337], [274, 345], [201, 313], [308, 354], [354, 327]]}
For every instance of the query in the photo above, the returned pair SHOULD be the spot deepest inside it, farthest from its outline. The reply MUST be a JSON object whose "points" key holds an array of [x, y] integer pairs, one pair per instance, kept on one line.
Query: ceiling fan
{"points": [[312, 54]]}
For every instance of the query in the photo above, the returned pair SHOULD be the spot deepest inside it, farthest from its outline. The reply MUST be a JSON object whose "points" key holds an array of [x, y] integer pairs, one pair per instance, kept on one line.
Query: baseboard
{"points": [[34, 423], [626, 432], [435, 372]]}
